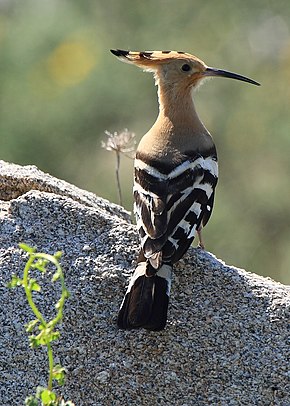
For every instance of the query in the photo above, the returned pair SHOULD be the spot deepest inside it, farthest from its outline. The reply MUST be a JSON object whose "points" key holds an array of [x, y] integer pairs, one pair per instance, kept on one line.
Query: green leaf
{"points": [[33, 285], [34, 341], [40, 265], [54, 335], [58, 374], [47, 396], [58, 255], [26, 248], [31, 401], [44, 337], [65, 293], [15, 282], [56, 276], [39, 391], [31, 325]]}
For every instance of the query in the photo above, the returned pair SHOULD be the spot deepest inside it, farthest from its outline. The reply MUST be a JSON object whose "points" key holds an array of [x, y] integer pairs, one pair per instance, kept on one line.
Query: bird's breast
{"points": [[167, 147]]}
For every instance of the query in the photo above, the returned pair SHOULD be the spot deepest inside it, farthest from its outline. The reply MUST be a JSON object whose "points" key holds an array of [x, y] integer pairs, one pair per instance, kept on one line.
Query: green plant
{"points": [[43, 332]]}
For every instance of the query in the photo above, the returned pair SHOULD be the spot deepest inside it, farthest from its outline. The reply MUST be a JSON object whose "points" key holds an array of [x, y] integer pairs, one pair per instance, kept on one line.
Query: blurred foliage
{"points": [[60, 89]]}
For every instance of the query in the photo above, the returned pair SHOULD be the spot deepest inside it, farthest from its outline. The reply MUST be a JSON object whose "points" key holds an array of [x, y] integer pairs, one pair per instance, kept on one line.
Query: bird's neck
{"points": [[178, 132], [177, 107]]}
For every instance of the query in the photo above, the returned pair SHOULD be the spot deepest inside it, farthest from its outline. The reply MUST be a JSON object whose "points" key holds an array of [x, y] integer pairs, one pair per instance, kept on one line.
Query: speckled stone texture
{"points": [[227, 341]]}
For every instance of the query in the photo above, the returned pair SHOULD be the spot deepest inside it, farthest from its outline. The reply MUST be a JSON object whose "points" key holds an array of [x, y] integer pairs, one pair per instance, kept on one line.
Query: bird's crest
{"points": [[150, 59], [193, 66]]}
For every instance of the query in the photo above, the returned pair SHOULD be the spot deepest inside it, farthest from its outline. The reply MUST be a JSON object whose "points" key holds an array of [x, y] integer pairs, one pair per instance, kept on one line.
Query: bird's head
{"points": [[171, 67]]}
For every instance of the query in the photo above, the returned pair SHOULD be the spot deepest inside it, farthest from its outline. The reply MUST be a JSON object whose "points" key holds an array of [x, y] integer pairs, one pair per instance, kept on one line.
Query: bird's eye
{"points": [[186, 67]]}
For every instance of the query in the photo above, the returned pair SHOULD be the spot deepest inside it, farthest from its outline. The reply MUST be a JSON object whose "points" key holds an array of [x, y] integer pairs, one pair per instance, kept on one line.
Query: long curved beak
{"points": [[226, 74]]}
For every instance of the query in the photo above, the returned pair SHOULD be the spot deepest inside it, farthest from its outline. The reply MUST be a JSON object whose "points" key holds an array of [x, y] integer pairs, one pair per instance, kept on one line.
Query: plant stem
{"points": [[118, 177], [28, 291], [50, 363]]}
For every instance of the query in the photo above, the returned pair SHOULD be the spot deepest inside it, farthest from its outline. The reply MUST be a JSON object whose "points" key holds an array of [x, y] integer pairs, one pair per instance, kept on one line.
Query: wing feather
{"points": [[170, 207]]}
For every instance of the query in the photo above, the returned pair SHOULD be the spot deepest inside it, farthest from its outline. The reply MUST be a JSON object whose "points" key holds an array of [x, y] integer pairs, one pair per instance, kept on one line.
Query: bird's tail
{"points": [[146, 301]]}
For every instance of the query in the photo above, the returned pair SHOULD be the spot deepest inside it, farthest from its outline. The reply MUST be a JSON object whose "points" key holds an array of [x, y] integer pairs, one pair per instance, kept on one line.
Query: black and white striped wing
{"points": [[170, 207]]}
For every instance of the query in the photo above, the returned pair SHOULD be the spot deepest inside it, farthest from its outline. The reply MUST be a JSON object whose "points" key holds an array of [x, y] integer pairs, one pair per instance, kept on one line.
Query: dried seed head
{"points": [[123, 142]]}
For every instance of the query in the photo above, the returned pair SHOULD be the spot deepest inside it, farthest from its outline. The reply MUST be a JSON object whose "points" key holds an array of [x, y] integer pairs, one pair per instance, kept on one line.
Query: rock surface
{"points": [[227, 339]]}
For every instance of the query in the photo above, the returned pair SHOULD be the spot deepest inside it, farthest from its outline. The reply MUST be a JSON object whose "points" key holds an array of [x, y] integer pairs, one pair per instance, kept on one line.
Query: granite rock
{"points": [[227, 338]]}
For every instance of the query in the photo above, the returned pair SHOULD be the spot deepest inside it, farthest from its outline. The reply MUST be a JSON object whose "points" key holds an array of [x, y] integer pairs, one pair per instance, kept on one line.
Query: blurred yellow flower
{"points": [[71, 62]]}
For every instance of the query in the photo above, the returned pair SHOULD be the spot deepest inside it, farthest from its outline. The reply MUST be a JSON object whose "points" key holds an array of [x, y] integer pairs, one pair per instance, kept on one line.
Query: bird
{"points": [[175, 176]]}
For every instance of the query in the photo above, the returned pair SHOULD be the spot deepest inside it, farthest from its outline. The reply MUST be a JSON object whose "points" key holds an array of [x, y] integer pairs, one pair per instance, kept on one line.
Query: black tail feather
{"points": [[146, 300]]}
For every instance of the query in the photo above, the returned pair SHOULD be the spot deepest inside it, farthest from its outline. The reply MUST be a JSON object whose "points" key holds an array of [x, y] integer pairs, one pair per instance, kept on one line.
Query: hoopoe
{"points": [[176, 173]]}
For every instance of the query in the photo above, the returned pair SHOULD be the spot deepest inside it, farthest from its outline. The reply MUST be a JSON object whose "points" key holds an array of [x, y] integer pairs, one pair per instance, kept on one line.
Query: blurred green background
{"points": [[60, 89]]}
